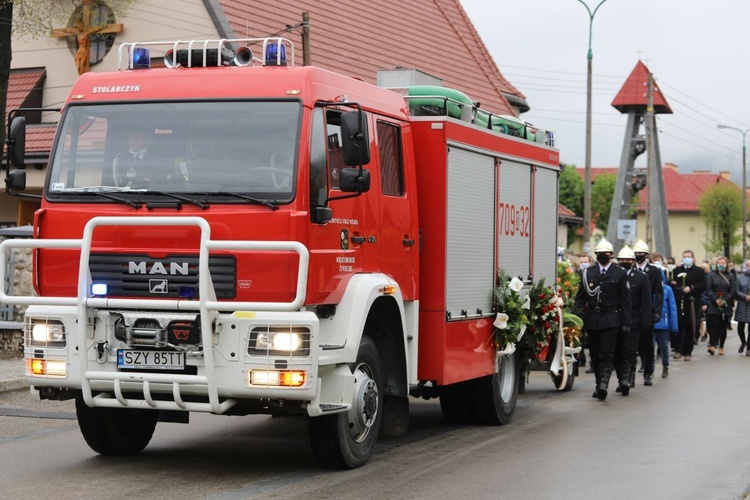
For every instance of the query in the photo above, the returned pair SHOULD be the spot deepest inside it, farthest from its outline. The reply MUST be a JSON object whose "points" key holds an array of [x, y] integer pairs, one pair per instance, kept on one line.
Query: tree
{"points": [[602, 193], [571, 189], [720, 208]]}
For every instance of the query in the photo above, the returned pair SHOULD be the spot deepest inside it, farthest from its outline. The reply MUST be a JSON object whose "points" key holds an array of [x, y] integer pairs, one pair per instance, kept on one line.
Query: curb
{"points": [[13, 384]]}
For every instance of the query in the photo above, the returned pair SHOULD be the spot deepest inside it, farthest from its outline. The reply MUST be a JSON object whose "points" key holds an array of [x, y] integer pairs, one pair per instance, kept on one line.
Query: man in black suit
{"points": [[604, 296], [141, 165], [641, 319], [646, 341], [688, 283]]}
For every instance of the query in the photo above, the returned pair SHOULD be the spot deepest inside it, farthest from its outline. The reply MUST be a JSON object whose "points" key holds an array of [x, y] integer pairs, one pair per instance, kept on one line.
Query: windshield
{"points": [[209, 148]]}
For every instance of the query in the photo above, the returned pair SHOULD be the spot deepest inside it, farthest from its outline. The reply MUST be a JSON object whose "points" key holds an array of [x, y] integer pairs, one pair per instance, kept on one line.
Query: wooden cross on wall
{"points": [[83, 30]]}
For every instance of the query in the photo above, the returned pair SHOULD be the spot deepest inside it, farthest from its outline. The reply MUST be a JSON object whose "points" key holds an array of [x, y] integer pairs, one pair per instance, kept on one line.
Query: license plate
{"points": [[150, 360]]}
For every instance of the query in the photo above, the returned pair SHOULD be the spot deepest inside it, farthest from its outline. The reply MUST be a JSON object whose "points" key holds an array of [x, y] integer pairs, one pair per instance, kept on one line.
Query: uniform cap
{"points": [[640, 247], [604, 246], [626, 253]]}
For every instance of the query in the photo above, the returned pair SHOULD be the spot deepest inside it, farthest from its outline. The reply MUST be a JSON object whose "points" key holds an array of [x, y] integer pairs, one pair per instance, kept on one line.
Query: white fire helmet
{"points": [[626, 253], [640, 247], [603, 246]]}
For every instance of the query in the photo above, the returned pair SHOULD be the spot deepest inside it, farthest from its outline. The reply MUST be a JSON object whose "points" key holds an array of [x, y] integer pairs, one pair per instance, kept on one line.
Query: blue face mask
{"points": [[721, 267], [687, 261], [583, 265]]}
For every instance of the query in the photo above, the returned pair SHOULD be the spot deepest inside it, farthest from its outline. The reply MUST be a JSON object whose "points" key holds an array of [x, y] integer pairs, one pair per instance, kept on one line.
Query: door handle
{"points": [[408, 242]]}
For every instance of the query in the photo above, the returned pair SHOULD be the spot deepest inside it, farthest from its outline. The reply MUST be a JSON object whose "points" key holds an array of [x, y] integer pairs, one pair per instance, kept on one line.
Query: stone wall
{"points": [[11, 341]]}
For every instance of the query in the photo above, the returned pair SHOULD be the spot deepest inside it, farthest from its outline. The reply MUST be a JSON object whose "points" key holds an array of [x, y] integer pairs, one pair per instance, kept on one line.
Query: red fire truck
{"points": [[234, 235]]}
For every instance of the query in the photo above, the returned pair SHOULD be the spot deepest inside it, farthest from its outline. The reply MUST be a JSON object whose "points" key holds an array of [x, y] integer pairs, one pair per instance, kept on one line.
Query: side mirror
{"points": [[321, 215], [17, 142], [355, 138], [16, 180], [354, 180]]}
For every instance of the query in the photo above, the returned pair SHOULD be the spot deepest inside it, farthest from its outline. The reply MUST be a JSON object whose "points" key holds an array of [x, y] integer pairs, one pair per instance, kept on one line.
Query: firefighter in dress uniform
{"points": [[604, 298], [646, 342], [641, 318]]}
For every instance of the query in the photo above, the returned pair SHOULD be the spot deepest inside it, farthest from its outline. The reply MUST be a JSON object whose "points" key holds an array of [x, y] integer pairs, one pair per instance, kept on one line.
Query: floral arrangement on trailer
{"points": [[534, 324]]}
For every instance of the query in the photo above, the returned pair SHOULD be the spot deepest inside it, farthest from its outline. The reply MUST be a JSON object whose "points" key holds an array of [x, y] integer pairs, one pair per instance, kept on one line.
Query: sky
{"points": [[697, 50]]}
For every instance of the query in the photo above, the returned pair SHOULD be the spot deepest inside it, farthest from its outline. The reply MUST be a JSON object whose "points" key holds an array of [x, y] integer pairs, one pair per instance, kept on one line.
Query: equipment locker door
{"points": [[514, 219]]}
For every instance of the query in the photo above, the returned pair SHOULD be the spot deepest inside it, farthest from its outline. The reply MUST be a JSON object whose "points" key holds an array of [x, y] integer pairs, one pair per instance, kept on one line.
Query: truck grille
{"points": [[138, 275]]}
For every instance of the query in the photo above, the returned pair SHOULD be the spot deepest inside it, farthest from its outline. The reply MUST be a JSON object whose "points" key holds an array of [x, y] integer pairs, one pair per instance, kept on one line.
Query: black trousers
{"points": [[626, 353], [717, 330], [646, 351], [602, 350], [687, 336]]}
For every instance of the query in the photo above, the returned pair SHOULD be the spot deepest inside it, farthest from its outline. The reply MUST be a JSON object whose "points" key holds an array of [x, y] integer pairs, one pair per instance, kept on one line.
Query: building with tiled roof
{"points": [[686, 228], [434, 36]]}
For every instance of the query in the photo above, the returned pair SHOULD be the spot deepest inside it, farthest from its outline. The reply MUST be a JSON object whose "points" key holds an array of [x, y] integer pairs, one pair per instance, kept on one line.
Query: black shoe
{"points": [[624, 389], [590, 370], [742, 348], [600, 394], [648, 381]]}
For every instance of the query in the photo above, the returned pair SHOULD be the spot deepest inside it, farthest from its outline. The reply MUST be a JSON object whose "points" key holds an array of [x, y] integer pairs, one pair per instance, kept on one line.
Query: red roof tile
{"points": [[435, 36], [634, 93], [20, 85], [39, 137], [564, 211]]}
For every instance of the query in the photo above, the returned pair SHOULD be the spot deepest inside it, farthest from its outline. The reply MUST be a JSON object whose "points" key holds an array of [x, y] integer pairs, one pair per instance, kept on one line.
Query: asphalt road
{"points": [[687, 437]]}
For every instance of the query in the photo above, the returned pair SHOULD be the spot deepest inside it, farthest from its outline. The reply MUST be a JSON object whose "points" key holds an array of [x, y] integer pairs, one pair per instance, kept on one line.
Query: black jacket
{"points": [[604, 298], [657, 290], [722, 285], [641, 299], [693, 277]]}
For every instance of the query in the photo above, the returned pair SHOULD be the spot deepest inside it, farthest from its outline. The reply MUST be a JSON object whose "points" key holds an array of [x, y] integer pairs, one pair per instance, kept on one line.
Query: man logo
{"points": [[158, 286]]}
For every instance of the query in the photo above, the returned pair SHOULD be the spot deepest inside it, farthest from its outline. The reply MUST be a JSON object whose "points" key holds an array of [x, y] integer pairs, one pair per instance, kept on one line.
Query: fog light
{"points": [[36, 366], [57, 368], [285, 378], [98, 289]]}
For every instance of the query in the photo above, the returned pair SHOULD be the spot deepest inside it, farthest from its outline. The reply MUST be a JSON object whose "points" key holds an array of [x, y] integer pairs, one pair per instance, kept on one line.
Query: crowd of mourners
{"points": [[638, 303]]}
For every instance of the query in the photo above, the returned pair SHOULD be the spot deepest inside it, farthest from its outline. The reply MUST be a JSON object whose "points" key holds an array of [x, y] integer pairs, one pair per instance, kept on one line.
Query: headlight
{"points": [[279, 341], [47, 332]]}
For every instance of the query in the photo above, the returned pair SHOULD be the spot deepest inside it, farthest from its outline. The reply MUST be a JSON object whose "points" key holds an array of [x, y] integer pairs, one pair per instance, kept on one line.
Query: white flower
{"points": [[515, 284], [501, 322], [682, 275], [527, 302], [520, 334]]}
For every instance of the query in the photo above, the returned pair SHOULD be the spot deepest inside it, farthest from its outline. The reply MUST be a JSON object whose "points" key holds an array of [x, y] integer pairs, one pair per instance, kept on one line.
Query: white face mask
{"points": [[659, 264], [583, 265]]}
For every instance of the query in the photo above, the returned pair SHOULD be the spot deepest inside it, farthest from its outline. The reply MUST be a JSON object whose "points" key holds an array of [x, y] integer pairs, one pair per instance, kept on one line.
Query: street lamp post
{"points": [[587, 185], [744, 188]]}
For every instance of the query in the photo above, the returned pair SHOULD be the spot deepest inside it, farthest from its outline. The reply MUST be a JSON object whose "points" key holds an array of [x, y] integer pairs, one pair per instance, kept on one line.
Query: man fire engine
{"points": [[313, 245]]}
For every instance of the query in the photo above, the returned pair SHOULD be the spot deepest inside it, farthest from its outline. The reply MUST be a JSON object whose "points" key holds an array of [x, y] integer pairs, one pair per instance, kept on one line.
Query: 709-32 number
{"points": [[514, 220]]}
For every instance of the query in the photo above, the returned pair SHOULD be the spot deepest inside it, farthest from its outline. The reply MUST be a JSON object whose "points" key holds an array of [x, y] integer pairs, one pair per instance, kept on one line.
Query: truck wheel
{"points": [[114, 431], [557, 379], [495, 395], [346, 440], [456, 403]]}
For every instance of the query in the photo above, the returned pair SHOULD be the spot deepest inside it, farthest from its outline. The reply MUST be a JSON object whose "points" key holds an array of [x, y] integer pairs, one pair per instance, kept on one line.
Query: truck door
{"points": [[346, 244], [398, 234]]}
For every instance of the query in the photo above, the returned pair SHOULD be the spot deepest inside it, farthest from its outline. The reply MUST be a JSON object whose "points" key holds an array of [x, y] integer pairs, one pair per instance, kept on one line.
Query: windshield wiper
{"points": [[202, 204], [104, 194], [272, 204]]}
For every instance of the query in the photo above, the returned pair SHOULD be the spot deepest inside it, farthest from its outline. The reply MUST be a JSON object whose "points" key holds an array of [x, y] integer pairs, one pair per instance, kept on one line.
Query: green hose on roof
{"points": [[434, 102]]}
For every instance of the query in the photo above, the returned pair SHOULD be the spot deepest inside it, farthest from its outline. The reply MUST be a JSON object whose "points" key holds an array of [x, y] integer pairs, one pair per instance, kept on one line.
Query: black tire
{"points": [[115, 431], [495, 396], [456, 403], [557, 379], [346, 440]]}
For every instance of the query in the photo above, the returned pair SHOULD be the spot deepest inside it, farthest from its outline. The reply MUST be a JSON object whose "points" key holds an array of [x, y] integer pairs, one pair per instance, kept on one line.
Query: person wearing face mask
{"points": [[742, 313], [646, 342], [641, 319], [688, 282], [604, 298], [720, 288]]}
